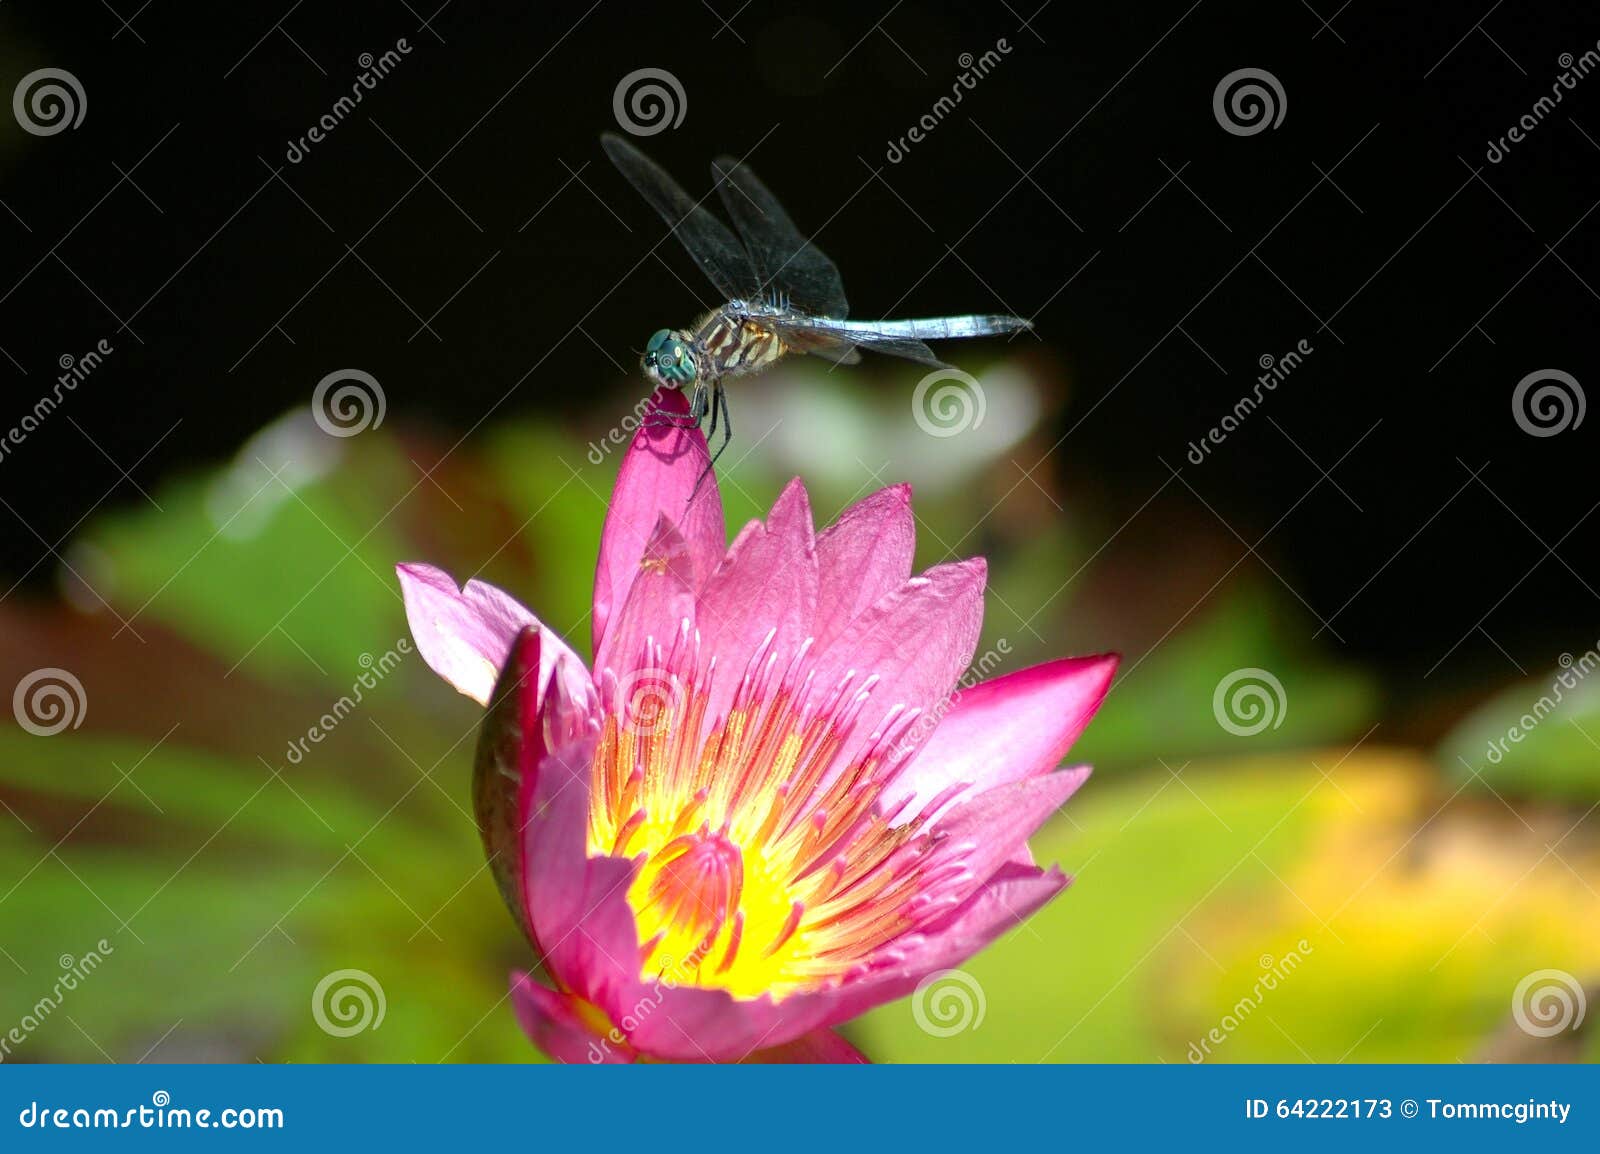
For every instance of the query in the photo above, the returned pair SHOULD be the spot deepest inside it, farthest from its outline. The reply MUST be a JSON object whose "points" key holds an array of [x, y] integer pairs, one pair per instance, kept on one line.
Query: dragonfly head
{"points": [[669, 359]]}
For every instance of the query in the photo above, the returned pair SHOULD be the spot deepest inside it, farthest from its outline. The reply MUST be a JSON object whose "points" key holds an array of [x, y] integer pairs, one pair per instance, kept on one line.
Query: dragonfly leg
{"points": [[719, 400], [689, 420], [660, 417]]}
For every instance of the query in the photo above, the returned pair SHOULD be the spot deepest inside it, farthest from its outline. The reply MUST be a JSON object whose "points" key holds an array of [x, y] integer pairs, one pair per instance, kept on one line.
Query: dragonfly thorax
{"points": [[669, 359]]}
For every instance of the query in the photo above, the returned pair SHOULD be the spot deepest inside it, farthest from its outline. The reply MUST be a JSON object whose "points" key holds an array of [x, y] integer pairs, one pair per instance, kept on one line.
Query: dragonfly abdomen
{"points": [[935, 328]]}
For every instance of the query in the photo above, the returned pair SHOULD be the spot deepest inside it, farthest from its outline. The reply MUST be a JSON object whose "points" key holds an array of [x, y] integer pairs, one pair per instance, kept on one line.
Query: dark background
{"points": [[1428, 281]]}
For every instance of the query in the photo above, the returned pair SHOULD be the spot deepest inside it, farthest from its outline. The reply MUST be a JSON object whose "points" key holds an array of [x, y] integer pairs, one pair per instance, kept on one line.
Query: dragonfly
{"points": [[781, 294]]}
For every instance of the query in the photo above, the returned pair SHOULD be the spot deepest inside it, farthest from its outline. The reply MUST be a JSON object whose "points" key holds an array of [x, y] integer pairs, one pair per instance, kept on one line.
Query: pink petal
{"points": [[1002, 904], [581, 918], [767, 584], [510, 747], [819, 1046], [915, 642], [579, 913], [659, 608], [1010, 728], [553, 1024], [994, 893], [521, 726], [687, 1024], [985, 831], [465, 634], [659, 470], [1014, 894], [861, 557], [577, 906]]}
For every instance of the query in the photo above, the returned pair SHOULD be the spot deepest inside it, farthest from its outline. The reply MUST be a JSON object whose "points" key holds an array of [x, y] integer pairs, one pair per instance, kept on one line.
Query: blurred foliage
{"points": [[230, 874], [1536, 739], [1190, 888]]}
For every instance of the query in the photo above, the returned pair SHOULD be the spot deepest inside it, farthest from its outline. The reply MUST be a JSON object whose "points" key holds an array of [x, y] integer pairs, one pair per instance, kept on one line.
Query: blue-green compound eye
{"points": [[667, 356]]}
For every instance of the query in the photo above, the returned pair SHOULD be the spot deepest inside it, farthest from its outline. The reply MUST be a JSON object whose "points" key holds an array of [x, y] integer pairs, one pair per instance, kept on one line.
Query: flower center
{"points": [[696, 883], [768, 863]]}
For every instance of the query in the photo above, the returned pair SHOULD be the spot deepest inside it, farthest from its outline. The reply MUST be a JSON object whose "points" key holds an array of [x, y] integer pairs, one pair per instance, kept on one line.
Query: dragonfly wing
{"points": [[903, 347], [785, 260], [838, 354], [715, 249]]}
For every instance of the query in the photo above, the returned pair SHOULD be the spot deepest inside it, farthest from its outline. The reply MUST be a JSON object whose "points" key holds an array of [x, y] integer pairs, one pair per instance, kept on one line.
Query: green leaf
{"points": [[1535, 739]]}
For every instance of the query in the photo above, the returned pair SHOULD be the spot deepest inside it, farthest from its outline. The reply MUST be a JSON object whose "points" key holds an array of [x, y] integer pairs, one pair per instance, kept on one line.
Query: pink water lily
{"points": [[766, 807]]}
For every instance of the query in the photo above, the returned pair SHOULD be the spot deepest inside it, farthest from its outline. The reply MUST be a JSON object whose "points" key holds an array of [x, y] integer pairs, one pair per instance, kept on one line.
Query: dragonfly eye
{"points": [[669, 359]]}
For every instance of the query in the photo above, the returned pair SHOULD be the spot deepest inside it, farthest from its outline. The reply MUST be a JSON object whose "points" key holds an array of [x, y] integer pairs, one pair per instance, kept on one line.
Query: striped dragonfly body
{"points": [[731, 344], [736, 339]]}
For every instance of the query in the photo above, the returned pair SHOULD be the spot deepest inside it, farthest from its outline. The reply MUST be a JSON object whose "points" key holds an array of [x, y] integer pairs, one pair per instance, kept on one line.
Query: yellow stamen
{"points": [[769, 866]]}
